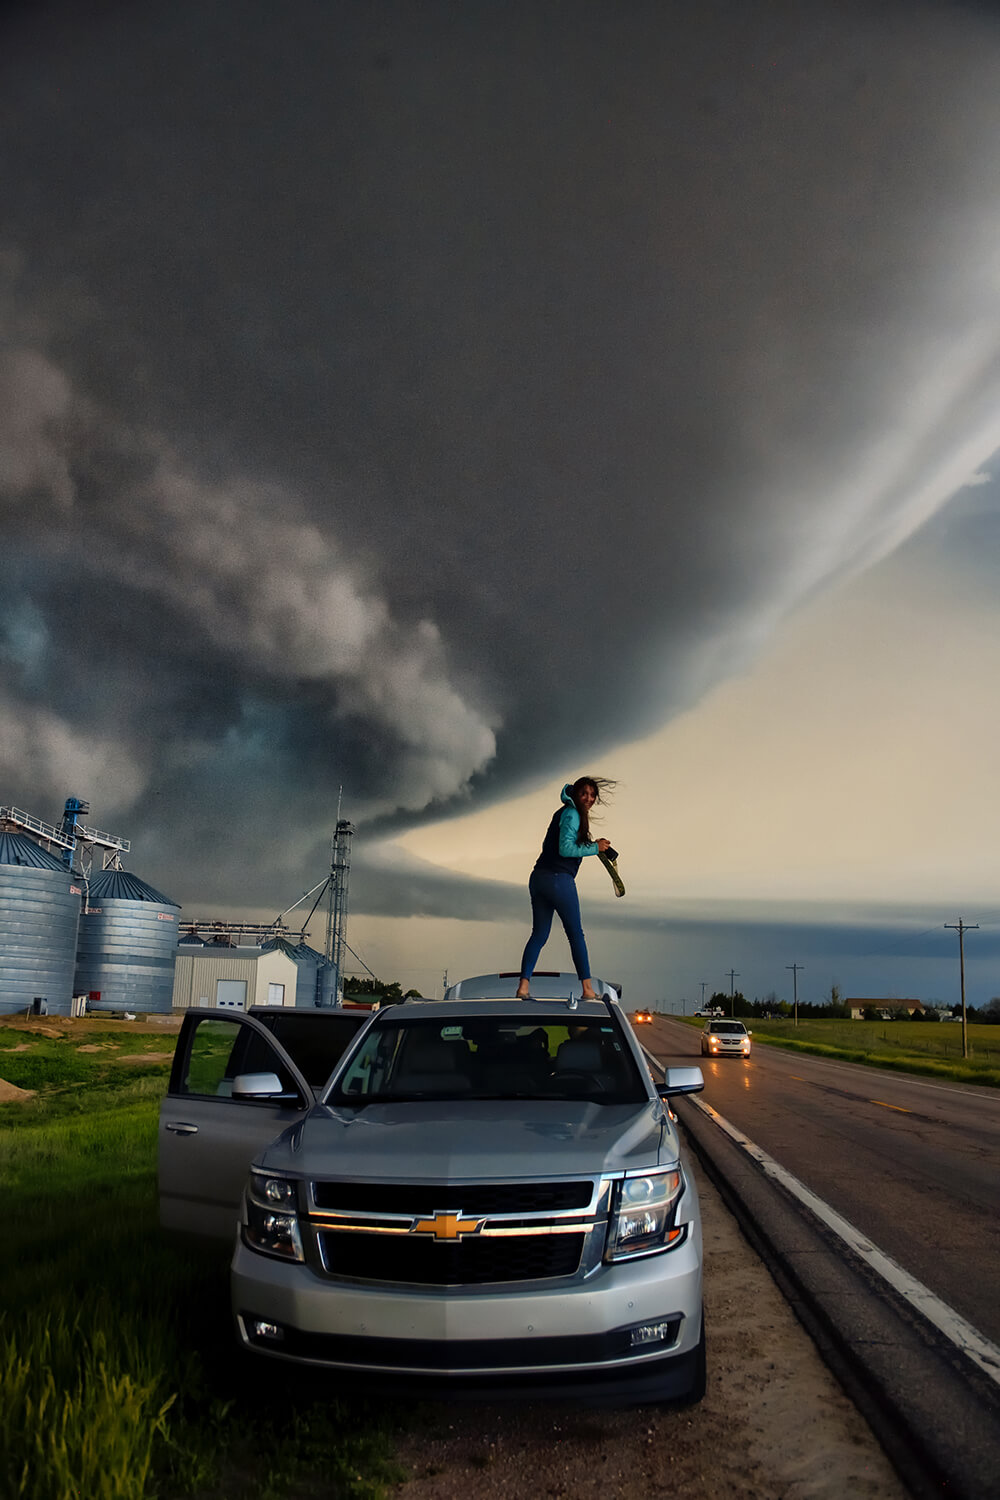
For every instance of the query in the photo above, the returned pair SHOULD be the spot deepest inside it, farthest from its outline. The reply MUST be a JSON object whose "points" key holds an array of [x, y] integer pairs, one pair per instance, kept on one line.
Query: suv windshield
{"points": [[728, 1028], [497, 1057]]}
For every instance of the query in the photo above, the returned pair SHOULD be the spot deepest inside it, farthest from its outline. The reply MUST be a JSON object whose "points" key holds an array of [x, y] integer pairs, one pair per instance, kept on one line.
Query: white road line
{"points": [[972, 1343]]}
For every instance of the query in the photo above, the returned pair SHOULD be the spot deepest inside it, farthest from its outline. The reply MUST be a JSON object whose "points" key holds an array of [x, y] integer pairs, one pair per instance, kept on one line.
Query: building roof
{"points": [[281, 945], [887, 1002], [306, 951], [120, 885], [17, 849], [233, 950]]}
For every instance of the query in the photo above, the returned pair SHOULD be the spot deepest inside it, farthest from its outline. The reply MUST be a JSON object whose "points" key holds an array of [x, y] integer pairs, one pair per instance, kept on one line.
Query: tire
{"points": [[681, 1387], [699, 1383]]}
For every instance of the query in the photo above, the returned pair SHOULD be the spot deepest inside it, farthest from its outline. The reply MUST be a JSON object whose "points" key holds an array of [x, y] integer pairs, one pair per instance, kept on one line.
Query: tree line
{"points": [[837, 1009], [376, 989]]}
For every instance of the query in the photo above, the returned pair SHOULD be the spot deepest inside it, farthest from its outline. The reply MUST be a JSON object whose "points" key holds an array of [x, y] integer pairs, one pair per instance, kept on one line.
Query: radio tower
{"points": [[336, 919]]}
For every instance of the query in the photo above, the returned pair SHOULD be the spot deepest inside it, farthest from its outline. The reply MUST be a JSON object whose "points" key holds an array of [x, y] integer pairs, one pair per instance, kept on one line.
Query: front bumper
{"points": [[552, 1336]]}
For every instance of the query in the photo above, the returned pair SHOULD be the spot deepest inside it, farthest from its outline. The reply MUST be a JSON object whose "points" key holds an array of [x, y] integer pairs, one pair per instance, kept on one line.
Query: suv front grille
{"points": [[472, 1262], [476, 1199]]}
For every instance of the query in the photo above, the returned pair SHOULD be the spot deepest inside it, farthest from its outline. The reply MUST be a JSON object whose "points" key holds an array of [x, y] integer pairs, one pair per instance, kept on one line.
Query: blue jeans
{"points": [[554, 891]]}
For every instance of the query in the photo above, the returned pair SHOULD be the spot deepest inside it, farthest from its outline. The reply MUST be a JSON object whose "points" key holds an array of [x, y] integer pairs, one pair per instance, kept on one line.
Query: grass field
{"points": [[933, 1048], [119, 1373]]}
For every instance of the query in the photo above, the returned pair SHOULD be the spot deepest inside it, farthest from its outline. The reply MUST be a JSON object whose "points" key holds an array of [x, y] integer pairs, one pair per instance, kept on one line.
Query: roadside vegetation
{"points": [[930, 1048], [118, 1368]]}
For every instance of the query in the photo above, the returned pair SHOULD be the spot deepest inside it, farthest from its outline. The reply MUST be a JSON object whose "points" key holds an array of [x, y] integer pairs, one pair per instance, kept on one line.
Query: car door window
{"points": [[315, 1042], [219, 1050]]}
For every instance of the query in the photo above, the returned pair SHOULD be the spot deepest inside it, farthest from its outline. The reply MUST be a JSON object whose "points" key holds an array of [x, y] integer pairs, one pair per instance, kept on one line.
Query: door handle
{"points": [[180, 1127]]}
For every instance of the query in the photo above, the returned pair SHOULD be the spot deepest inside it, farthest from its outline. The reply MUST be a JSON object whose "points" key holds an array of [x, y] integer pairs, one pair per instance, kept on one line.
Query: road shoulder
{"points": [[774, 1421]]}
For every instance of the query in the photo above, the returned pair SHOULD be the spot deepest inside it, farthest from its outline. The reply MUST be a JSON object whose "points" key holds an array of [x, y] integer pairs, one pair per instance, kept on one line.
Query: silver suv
{"points": [[485, 1193]]}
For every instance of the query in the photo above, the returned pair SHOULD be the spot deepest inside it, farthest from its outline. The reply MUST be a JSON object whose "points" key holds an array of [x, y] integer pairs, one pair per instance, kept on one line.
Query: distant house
{"points": [[886, 1009]]}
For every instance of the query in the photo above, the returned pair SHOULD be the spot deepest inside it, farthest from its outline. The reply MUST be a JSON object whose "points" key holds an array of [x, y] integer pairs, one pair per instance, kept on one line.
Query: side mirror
{"points": [[681, 1081], [260, 1086]]}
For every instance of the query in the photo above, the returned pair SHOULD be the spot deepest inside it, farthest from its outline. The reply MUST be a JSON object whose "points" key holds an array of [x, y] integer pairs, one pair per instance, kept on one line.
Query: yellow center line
{"points": [[898, 1107]]}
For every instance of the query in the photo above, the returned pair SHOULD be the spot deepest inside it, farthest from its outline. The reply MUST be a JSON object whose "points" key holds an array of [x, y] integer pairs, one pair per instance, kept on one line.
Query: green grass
{"points": [[120, 1377], [931, 1048], [70, 1081]]}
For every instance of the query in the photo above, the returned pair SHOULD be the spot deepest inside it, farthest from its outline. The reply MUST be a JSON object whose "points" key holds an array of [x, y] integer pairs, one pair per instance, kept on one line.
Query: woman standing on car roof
{"points": [[552, 885]]}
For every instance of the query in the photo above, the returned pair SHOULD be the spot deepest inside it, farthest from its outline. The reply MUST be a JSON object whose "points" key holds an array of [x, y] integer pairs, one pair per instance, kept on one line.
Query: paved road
{"points": [[912, 1163]]}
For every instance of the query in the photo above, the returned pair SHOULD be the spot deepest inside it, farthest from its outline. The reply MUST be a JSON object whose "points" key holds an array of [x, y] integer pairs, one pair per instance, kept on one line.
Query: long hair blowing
{"points": [[602, 787]]}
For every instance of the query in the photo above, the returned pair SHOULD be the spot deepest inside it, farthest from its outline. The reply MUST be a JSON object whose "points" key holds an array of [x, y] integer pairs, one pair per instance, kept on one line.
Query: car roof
{"points": [[544, 986], [525, 1011]]}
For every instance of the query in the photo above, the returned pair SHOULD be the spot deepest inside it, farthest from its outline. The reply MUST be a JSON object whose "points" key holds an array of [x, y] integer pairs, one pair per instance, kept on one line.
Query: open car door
{"points": [[232, 1089]]}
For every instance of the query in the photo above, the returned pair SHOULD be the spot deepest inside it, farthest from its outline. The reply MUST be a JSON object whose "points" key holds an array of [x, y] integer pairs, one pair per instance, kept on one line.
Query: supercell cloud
{"points": [[417, 399]]}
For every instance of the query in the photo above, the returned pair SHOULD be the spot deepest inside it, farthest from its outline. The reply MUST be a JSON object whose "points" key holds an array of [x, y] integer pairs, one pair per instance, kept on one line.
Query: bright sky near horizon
{"points": [[854, 760], [851, 767]]}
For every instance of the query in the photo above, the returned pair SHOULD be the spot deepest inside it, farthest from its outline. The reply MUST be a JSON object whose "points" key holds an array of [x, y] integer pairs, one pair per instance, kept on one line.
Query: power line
{"points": [[795, 986], [359, 959], [962, 928]]}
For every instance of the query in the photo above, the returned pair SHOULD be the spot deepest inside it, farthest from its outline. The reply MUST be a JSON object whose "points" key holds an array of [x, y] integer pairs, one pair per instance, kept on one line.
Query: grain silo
{"points": [[311, 965], [128, 945], [39, 920]]}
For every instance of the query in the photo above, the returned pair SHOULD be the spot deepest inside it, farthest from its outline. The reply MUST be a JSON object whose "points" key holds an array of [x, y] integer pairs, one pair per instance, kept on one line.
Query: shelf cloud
{"points": [[414, 400]]}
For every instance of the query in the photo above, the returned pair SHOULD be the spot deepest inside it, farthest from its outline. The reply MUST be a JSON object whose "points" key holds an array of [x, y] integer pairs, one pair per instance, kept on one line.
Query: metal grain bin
{"points": [[128, 945], [311, 965], [39, 920]]}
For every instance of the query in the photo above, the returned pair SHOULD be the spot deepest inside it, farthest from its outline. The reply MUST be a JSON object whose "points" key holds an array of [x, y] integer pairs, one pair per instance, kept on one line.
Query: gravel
{"points": [[774, 1423]]}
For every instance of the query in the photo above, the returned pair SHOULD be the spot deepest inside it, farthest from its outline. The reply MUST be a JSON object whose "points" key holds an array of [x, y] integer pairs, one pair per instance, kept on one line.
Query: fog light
{"points": [[272, 1331], [652, 1333]]}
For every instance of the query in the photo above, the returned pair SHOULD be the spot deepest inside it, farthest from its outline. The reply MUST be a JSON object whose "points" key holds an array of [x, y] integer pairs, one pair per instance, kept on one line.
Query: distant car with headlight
{"points": [[642, 1017], [486, 1193], [725, 1038]]}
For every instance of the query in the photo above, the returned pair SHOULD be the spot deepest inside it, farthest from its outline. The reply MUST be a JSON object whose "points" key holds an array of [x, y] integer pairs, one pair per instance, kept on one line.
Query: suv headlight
{"points": [[271, 1222], [642, 1220]]}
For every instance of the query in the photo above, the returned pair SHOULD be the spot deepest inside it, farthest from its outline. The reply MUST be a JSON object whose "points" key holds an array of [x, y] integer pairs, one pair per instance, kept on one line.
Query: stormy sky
{"points": [[427, 400]]}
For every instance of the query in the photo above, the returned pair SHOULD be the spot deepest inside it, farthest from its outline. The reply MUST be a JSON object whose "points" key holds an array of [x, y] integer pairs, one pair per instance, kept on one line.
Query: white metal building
{"points": [[233, 978]]}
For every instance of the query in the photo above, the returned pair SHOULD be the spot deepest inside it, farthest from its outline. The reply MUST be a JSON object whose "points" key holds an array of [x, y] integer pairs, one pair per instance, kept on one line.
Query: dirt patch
{"points": [[145, 1057], [11, 1094], [91, 1047], [89, 1027], [773, 1423], [34, 1028]]}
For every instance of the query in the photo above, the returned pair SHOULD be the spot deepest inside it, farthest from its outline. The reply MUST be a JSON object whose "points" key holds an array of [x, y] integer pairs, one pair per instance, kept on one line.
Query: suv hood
{"points": [[487, 1139]]}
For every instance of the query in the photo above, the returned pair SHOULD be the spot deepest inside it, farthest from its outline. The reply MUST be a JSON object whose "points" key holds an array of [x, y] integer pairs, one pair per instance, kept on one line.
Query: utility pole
{"points": [[962, 928], [704, 987], [444, 982], [795, 987], [733, 975]]}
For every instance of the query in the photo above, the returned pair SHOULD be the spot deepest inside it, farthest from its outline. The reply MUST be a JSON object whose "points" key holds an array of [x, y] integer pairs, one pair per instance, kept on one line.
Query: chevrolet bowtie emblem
{"points": [[447, 1225]]}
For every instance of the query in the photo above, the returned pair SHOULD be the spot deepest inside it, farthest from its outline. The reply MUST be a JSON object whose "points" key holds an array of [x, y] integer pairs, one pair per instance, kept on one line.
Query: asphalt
{"points": [[935, 1413]]}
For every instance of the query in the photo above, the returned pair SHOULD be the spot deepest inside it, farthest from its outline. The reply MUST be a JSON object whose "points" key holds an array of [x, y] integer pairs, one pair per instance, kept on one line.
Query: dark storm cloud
{"points": [[405, 397]]}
